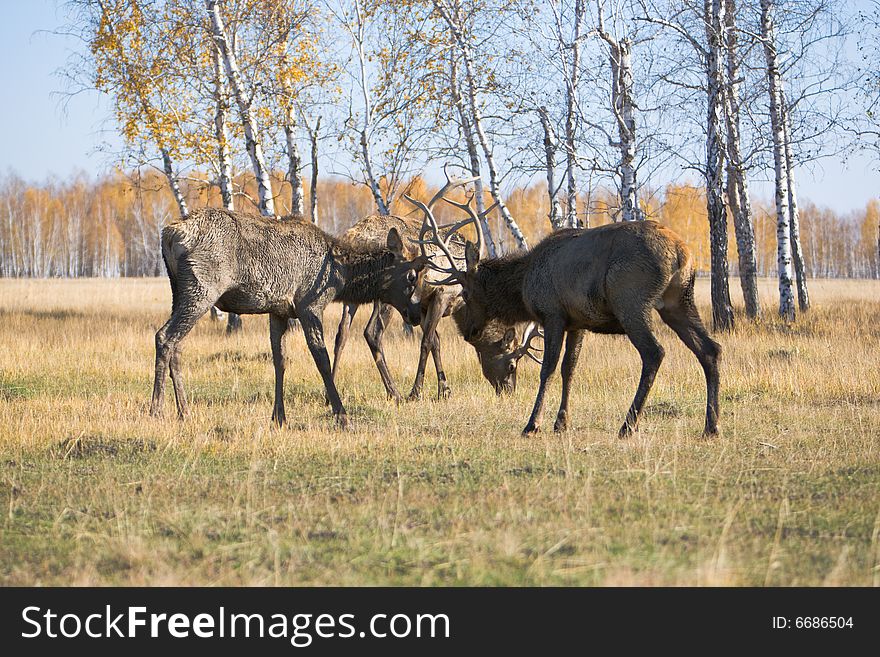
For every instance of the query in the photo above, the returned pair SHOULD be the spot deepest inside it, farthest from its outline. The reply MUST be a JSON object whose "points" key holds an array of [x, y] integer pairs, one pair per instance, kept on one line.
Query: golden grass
{"points": [[432, 493]]}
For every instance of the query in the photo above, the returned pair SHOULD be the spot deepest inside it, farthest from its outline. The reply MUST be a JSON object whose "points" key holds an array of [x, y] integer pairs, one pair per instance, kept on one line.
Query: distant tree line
{"points": [[110, 227]]}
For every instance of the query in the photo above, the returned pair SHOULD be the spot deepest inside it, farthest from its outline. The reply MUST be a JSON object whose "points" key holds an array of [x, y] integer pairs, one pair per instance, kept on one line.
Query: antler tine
{"points": [[532, 331], [451, 183], [472, 217], [430, 223]]}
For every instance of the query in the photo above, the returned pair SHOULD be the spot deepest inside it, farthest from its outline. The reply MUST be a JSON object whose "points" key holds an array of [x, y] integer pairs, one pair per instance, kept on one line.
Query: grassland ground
{"points": [[95, 491]]}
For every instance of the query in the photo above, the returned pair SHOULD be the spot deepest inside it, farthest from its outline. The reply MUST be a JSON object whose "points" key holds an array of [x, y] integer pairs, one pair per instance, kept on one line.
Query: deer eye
{"points": [[411, 276]]}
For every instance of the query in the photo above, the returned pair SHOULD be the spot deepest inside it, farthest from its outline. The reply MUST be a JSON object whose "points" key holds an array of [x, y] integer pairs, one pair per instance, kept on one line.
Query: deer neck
{"points": [[502, 281], [364, 274]]}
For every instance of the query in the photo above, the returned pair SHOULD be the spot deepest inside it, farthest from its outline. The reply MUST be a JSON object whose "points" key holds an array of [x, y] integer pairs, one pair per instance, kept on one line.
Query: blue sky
{"points": [[39, 139], [44, 137]]}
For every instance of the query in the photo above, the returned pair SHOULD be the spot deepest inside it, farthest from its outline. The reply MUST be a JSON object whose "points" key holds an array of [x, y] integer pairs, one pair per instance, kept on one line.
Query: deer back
{"points": [[373, 229], [591, 275], [264, 258]]}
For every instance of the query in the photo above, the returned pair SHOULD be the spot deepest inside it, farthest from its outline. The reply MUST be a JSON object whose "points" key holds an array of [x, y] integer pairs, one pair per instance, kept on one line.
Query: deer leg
{"points": [[573, 342], [277, 329], [348, 313], [177, 383], [429, 328], [688, 326], [639, 332], [553, 336], [233, 324], [168, 339], [373, 332], [163, 356], [443, 389], [314, 334]]}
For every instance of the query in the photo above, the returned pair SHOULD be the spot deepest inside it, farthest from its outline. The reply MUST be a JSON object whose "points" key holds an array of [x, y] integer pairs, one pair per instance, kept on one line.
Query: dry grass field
{"points": [[94, 491]]}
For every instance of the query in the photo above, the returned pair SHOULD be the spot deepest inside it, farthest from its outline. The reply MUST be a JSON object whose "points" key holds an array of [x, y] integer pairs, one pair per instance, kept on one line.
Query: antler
{"points": [[472, 217], [532, 331], [435, 232], [430, 225], [451, 183]]}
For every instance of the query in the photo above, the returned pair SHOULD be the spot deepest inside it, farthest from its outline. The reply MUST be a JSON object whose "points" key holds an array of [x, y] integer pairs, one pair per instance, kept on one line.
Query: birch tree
{"points": [[457, 21], [246, 114], [551, 146], [314, 135], [473, 156], [722, 310], [221, 131], [623, 108], [393, 81], [737, 181], [703, 29], [572, 80], [794, 223], [126, 63], [777, 118]]}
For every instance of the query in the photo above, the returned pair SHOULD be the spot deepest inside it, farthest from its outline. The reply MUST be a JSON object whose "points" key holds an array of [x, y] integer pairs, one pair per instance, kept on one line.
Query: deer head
{"points": [[497, 347], [404, 278]]}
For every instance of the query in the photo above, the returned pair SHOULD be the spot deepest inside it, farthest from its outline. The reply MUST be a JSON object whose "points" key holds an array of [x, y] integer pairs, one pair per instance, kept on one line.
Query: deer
{"points": [[606, 280], [249, 264], [498, 350]]}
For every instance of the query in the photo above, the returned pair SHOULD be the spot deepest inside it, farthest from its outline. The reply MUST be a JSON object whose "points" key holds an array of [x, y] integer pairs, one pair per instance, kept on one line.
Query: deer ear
{"points": [[509, 339], [394, 242], [471, 257]]}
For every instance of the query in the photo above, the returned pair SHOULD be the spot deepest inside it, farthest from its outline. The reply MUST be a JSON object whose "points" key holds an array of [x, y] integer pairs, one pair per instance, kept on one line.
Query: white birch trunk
{"points": [[722, 311], [551, 144], [473, 157], [737, 183], [372, 183], [168, 167], [571, 90], [477, 123], [313, 191], [624, 109], [221, 133], [294, 167], [252, 142], [783, 237], [370, 178], [794, 227]]}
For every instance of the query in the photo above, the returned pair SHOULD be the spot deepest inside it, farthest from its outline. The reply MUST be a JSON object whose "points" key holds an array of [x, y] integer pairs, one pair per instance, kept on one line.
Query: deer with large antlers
{"points": [[609, 279], [497, 348], [248, 264]]}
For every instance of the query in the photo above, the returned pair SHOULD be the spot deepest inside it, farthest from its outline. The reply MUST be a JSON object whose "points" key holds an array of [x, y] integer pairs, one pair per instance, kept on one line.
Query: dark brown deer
{"points": [[498, 350], [609, 279], [248, 264]]}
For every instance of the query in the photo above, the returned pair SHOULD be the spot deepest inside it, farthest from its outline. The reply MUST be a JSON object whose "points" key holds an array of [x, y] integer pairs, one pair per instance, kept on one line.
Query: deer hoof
{"points": [[444, 393], [342, 421], [625, 431], [415, 395], [530, 430]]}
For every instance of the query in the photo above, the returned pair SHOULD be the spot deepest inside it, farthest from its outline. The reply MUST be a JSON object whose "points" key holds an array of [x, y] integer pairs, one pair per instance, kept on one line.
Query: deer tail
{"points": [[168, 256]]}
